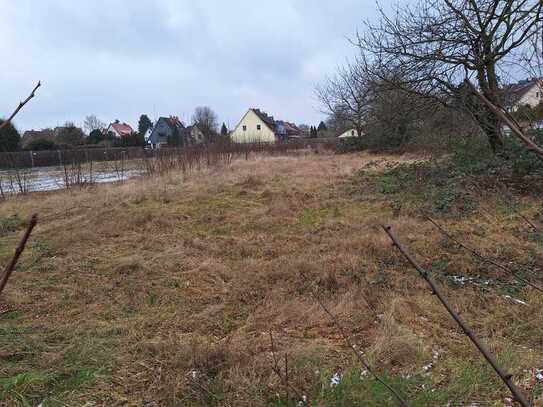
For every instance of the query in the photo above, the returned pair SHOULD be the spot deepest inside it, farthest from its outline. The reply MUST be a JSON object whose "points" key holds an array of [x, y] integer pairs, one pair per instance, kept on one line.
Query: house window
{"points": [[258, 127], [244, 128]]}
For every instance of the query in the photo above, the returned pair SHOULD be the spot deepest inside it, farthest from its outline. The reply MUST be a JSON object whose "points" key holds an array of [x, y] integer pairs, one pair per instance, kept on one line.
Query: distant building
{"points": [[194, 135], [33, 135], [349, 133], [528, 92], [119, 129], [166, 129], [257, 126]]}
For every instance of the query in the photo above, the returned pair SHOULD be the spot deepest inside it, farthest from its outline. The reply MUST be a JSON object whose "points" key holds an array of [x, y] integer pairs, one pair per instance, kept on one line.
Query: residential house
{"points": [[194, 135], [119, 129], [349, 133], [166, 131], [528, 92], [257, 126]]}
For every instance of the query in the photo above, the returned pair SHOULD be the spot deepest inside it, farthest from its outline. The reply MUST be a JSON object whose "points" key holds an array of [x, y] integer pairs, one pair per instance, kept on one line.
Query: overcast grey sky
{"points": [[122, 58]]}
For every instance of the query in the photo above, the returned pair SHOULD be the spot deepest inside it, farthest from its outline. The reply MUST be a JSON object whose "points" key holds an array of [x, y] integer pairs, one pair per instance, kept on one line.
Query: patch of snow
{"points": [[335, 379], [461, 279], [194, 374], [539, 374], [426, 368], [515, 300], [303, 401]]}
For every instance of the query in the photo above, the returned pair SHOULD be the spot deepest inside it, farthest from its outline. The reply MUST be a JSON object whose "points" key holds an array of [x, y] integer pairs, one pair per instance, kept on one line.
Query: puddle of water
{"points": [[51, 179]]}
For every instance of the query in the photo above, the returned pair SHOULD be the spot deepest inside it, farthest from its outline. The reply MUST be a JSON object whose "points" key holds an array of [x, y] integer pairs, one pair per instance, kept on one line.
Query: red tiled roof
{"points": [[122, 129]]}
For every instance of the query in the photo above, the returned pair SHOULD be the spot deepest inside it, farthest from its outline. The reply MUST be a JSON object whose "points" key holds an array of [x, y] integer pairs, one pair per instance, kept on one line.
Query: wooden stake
{"points": [[20, 248]]}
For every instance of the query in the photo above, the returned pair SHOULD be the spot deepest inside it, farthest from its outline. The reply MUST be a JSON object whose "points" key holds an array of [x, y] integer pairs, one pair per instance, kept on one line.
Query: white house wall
{"points": [[533, 97], [349, 133]]}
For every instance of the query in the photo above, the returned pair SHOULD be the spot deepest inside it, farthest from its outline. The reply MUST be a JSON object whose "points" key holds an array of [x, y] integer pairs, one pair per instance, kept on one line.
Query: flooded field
{"points": [[55, 178]]}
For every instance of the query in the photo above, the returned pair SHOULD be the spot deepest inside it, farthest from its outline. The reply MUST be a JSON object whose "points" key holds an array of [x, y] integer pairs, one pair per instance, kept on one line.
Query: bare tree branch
{"points": [[530, 223], [505, 377], [481, 257], [284, 380], [506, 119], [362, 361], [20, 248], [21, 105], [434, 43]]}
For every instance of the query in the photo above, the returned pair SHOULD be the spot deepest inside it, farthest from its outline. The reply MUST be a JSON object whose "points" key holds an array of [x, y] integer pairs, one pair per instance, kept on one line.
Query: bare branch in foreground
{"points": [[21, 105], [481, 257], [284, 380], [20, 248], [505, 377], [362, 361], [530, 223]]}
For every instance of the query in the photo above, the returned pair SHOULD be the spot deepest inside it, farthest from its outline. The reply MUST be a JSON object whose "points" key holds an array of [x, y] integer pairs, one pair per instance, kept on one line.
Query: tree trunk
{"points": [[490, 124]]}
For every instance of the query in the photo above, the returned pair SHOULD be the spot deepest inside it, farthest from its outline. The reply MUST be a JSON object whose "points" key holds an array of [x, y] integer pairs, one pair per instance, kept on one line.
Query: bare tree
{"points": [[434, 44], [206, 120], [346, 96], [532, 62], [93, 123]]}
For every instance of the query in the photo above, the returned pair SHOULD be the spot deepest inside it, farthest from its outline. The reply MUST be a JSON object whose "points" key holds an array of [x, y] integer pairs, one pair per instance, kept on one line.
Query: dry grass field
{"points": [[163, 291]]}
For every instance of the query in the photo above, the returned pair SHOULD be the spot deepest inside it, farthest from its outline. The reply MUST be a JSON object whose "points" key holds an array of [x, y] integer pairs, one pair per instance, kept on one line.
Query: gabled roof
{"points": [[515, 91], [287, 128], [279, 127], [173, 122], [264, 117], [123, 129]]}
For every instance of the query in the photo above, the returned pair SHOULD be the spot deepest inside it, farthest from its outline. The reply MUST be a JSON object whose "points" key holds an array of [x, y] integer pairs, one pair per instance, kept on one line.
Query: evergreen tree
{"points": [[144, 124], [322, 127], [70, 135], [95, 137], [10, 138], [224, 130]]}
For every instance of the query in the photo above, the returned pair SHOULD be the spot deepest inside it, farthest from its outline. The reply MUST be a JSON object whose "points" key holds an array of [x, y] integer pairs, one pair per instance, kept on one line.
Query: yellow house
{"points": [[257, 127]]}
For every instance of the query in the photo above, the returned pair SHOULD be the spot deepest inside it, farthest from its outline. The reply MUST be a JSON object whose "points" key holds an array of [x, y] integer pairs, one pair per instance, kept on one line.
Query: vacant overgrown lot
{"points": [[164, 291]]}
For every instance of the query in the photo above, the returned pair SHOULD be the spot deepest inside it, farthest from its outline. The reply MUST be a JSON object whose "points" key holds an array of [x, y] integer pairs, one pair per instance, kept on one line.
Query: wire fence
{"points": [[57, 158], [23, 172]]}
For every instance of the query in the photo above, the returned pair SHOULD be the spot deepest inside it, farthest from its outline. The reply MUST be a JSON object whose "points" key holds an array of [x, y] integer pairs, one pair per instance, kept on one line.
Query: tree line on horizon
{"points": [[94, 132]]}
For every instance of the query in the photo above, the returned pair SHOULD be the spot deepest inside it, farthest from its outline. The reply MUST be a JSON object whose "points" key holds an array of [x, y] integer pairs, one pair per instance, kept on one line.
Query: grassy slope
{"points": [[129, 291]]}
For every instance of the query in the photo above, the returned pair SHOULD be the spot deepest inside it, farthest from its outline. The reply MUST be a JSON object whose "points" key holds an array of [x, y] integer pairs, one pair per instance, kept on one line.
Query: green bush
{"points": [[451, 185], [351, 144], [10, 224]]}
